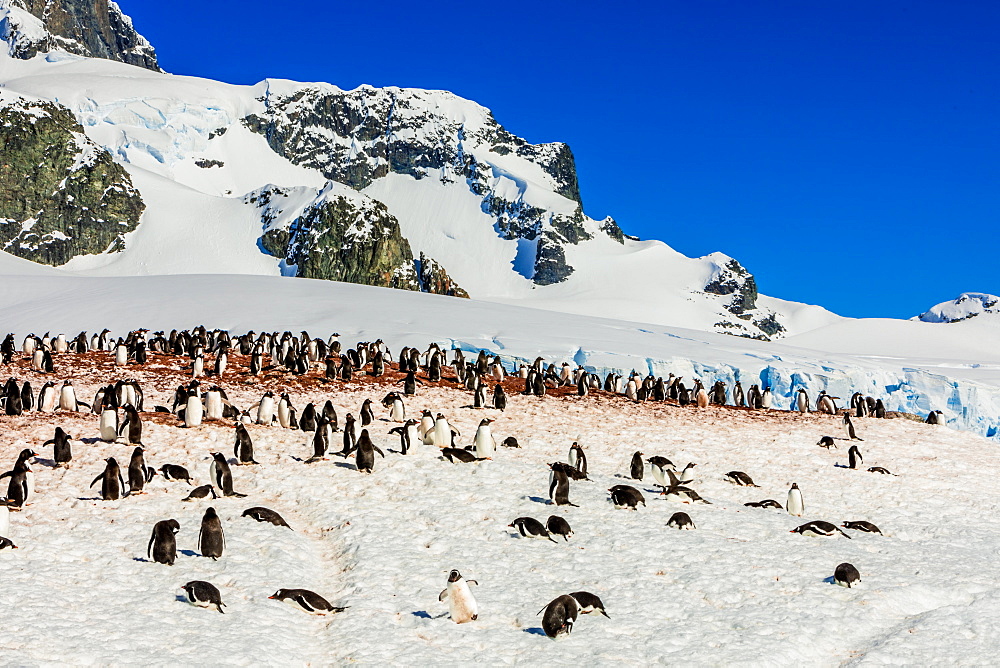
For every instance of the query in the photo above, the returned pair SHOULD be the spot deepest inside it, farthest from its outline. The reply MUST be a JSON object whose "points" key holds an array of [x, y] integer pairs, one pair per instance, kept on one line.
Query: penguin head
{"points": [[280, 595], [454, 576], [174, 526]]}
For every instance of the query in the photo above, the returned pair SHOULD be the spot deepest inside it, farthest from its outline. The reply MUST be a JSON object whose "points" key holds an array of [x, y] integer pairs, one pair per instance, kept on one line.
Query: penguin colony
{"points": [[121, 407]]}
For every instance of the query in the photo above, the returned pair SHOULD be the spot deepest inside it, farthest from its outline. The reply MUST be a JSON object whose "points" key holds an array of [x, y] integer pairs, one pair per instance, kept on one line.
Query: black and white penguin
{"points": [[529, 527], [365, 458], [109, 424], [112, 482], [175, 472], [62, 452], [880, 469], [485, 444], [637, 467], [68, 400], [367, 414], [589, 603], [740, 479], [849, 428], [7, 543], [862, 525], [879, 410], [935, 417], [134, 424], [578, 458], [462, 604], [511, 442], [680, 520], [408, 435], [201, 493], [454, 455], [138, 473], [306, 600], [827, 442], [48, 397], [803, 401], [559, 615], [559, 526], [243, 448], [818, 528], [222, 476], [795, 505], [766, 503], [854, 457], [265, 515], [211, 538], [625, 496], [846, 575], [559, 487], [203, 594], [397, 409], [499, 398], [162, 546]]}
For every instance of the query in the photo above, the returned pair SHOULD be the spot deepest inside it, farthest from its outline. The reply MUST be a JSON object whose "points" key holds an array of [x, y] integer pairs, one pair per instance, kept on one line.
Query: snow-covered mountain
{"points": [[404, 188], [968, 305]]}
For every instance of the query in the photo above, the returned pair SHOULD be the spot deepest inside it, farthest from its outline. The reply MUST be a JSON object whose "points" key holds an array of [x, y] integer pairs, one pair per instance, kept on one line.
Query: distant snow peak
{"points": [[968, 305], [79, 27], [729, 277]]}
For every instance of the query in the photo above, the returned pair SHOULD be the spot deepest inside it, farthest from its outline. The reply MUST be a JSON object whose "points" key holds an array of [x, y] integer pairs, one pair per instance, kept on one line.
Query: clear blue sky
{"points": [[848, 153]]}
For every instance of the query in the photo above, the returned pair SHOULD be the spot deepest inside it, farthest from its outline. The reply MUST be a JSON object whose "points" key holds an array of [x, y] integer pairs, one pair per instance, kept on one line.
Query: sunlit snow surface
{"points": [[740, 589]]}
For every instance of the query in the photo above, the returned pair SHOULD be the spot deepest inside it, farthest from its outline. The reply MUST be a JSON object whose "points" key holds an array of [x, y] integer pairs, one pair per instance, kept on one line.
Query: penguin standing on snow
{"points": [[365, 459], [134, 424], [211, 538], [407, 435], [849, 428], [486, 445], [62, 453], [499, 398], [795, 505], [243, 449], [138, 473], [803, 401], [559, 487], [637, 466], [222, 476], [577, 458], [162, 546], [461, 603], [112, 482], [559, 615], [854, 457]]}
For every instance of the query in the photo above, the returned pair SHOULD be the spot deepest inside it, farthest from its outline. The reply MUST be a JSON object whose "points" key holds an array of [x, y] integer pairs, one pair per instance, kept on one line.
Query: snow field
{"points": [[738, 589]]}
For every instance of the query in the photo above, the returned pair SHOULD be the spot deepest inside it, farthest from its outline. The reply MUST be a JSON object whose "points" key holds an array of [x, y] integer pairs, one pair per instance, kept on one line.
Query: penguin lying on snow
{"points": [[766, 503], [818, 528], [203, 594], [559, 526], [625, 496], [861, 525], [265, 515], [589, 603], [529, 527], [6, 543], [826, 442], [201, 492], [681, 521], [740, 478], [559, 616], [174, 472], [307, 600], [846, 575]]}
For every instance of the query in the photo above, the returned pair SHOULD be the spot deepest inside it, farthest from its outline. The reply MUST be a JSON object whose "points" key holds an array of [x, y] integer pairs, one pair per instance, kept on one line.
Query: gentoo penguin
{"points": [[935, 417], [486, 445], [766, 399], [243, 448], [818, 528], [397, 409], [443, 432], [367, 415], [826, 442], [306, 600], [846, 575], [62, 453], [214, 403], [701, 397], [4, 517], [365, 459], [48, 397], [624, 496], [201, 493], [559, 615], [795, 505], [109, 425], [559, 526], [861, 525], [826, 404], [803, 401], [22, 471], [499, 398], [879, 469], [193, 410], [162, 546], [265, 409], [134, 424], [112, 482], [7, 543], [138, 473], [680, 520], [461, 603], [175, 472], [211, 538], [17, 488], [577, 458], [67, 398], [203, 594], [680, 492], [511, 442], [659, 467], [849, 428], [350, 439], [407, 435], [265, 515], [766, 503], [637, 466], [879, 411], [571, 472], [589, 603], [464, 456], [307, 421], [740, 479], [529, 527], [854, 457], [559, 487], [222, 476]]}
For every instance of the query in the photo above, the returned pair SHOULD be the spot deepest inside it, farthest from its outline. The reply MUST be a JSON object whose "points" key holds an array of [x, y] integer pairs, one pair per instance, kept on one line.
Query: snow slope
{"points": [[193, 159], [739, 589]]}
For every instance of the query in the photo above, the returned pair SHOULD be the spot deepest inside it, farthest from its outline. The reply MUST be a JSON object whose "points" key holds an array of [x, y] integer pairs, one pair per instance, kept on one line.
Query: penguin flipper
{"points": [[301, 600], [99, 476], [375, 447], [443, 595]]}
